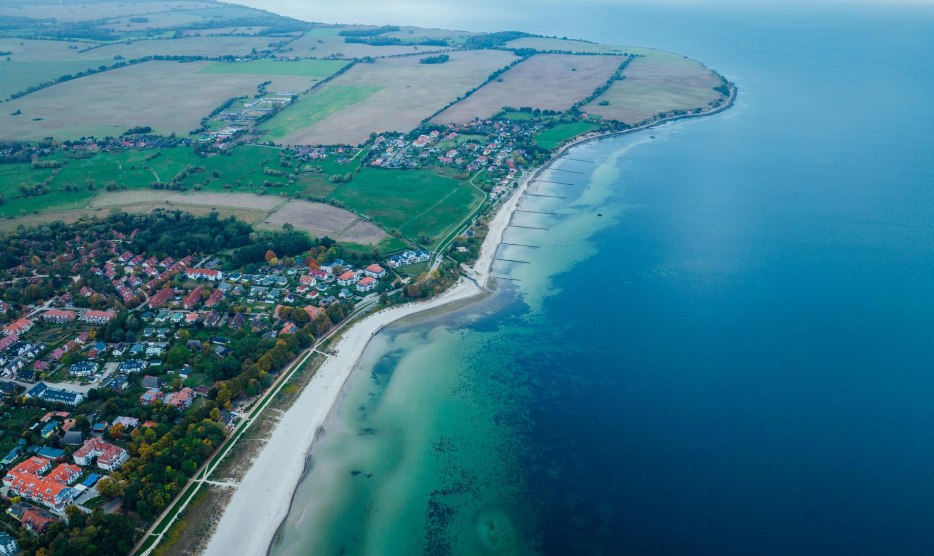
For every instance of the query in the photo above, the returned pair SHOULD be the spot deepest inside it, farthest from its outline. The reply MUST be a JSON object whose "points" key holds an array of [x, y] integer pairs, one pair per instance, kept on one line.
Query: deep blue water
{"points": [[746, 365], [760, 378]]}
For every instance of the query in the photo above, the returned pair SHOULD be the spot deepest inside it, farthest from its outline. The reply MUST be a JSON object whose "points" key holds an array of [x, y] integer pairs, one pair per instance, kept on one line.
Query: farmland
{"points": [[37, 61], [658, 82], [325, 42], [188, 46], [407, 93], [314, 108], [168, 96], [414, 202], [315, 69], [546, 44], [545, 81], [320, 219]]}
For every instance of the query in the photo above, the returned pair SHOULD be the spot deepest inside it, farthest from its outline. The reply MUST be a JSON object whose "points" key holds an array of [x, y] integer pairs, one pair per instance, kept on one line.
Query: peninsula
{"points": [[209, 210]]}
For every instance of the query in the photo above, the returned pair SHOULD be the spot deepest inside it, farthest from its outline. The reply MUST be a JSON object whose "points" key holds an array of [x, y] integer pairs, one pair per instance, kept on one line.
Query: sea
{"points": [[719, 339]]}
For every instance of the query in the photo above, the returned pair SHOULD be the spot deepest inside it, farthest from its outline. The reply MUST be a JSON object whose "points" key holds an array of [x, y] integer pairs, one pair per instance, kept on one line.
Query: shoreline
{"points": [[256, 512]]}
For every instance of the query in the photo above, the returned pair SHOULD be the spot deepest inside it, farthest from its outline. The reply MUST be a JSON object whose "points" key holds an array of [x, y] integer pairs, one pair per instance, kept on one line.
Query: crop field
{"points": [[565, 45], [96, 10], [223, 31], [659, 82], [415, 202], [154, 21], [186, 46], [319, 219], [315, 69], [325, 42], [312, 109], [554, 136], [35, 61], [545, 81], [407, 93], [168, 96]]}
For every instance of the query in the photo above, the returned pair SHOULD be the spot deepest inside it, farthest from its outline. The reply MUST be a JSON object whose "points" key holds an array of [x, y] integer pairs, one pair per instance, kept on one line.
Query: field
{"points": [[319, 219], [407, 93], [313, 108], [554, 136], [34, 61], [155, 21], [565, 45], [315, 69], [545, 81], [658, 82], [187, 46], [325, 42], [415, 202], [96, 10], [168, 96]]}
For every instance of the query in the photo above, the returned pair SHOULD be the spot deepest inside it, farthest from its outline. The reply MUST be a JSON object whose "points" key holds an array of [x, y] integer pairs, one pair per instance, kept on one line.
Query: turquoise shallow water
{"points": [[736, 358]]}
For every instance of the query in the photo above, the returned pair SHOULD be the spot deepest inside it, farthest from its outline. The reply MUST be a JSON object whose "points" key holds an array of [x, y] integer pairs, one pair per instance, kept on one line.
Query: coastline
{"points": [[259, 506]]}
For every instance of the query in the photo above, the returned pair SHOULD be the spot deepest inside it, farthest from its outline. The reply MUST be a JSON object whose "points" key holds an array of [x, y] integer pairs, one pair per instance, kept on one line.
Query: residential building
{"points": [[8, 546], [149, 397], [42, 391], [375, 271], [193, 298], [181, 399], [83, 368], [161, 298], [97, 317], [109, 456], [19, 327], [347, 278], [368, 283], [26, 480], [204, 274], [59, 316]]}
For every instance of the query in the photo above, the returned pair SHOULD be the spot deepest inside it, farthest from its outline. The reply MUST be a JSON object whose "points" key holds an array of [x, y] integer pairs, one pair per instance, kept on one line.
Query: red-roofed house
{"points": [[59, 316], [313, 311], [193, 298], [289, 328], [160, 298], [347, 278], [52, 490], [108, 456], [181, 399], [368, 283], [18, 327], [97, 317], [204, 274], [375, 271]]}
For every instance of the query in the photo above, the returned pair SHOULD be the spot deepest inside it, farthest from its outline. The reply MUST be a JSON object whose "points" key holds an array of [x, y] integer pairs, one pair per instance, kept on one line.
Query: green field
{"points": [[317, 69], [414, 202], [242, 171], [313, 108], [17, 76], [554, 136]]}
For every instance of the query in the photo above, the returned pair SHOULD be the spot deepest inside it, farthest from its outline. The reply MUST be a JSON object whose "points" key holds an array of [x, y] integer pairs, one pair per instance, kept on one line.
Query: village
{"points": [[129, 342]]}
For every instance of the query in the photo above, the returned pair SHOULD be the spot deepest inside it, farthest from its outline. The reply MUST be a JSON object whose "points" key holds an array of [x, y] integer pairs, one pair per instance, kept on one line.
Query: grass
{"points": [[318, 69], [554, 136], [414, 202], [314, 108], [515, 115]]}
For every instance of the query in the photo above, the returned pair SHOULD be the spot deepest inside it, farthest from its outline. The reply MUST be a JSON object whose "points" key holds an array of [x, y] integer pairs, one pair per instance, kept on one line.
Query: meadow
{"points": [[311, 109], [408, 92], [654, 83], [544, 81], [414, 202], [554, 136]]}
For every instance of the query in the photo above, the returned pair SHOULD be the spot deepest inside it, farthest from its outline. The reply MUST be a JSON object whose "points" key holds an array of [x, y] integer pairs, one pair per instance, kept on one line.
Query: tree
{"points": [[111, 488]]}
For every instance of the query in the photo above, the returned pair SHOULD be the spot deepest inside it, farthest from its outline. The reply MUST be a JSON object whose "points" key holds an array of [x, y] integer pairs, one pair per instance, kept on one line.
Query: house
{"points": [[289, 328], [368, 283], [229, 419], [181, 399], [314, 312], [109, 456], [160, 298], [149, 397], [204, 274], [42, 391], [73, 438], [193, 298], [215, 298], [97, 317], [150, 382], [53, 454], [19, 327], [26, 480], [127, 422], [59, 316], [347, 278], [8, 546], [375, 271], [131, 366], [83, 368], [117, 383], [13, 454], [49, 429]]}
